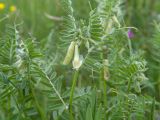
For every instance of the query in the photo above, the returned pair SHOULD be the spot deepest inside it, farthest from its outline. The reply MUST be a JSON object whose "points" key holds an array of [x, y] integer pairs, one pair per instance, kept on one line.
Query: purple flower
{"points": [[130, 34]]}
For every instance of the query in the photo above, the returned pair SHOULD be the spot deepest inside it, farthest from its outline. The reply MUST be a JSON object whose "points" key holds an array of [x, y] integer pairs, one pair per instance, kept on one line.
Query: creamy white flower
{"points": [[78, 59]]}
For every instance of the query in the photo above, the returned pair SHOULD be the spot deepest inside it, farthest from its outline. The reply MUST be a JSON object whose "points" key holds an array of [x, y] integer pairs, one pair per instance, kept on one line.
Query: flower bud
{"points": [[87, 44], [69, 54], [130, 34], [116, 21]]}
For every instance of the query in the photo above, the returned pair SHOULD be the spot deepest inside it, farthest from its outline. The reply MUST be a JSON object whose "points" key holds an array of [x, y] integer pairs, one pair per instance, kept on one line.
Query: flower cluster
{"points": [[77, 60], [12, 8]]}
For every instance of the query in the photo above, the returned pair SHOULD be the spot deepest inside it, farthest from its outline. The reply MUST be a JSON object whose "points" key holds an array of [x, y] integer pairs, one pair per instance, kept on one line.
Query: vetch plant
{"points": [[80, 64]]}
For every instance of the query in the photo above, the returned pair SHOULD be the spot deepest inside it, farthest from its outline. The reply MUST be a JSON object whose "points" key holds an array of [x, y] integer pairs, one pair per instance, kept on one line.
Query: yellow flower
{"points": [[13, 8], [2, 6]]}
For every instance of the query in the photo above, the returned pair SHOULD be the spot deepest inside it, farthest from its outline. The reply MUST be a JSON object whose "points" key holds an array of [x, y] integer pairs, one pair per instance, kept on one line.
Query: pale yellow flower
{"points": [[78, 59], [13, 8], [70, 53], [2, 6]]}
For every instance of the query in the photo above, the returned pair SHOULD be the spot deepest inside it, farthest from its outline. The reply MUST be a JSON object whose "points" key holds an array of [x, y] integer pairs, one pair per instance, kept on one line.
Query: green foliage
{"points": [[111, 77]]}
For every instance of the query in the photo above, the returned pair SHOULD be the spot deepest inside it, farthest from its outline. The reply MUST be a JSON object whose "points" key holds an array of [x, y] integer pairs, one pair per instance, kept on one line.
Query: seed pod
{"points": [[69, 54], [106, 70], [78, 59]]}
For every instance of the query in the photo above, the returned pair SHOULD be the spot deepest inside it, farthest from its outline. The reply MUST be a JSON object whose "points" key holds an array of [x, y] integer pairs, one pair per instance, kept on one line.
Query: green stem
{"points": [[9, 107], [104, 87], [54, 88], [129, 85], [126, 99], [152, 109], [38, 107], [21, 112], [103, 83], [130, 46], [104, 91], [75, 77]]}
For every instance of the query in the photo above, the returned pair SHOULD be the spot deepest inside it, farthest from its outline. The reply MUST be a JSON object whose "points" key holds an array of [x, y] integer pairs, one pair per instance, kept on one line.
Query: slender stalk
{"points": [[129, 85], [40, 111], [4, 18], [21, 112], [9, 106], [128, 89], [54, 88], [104, 91], [152, 109], [103, 85], [75, 77], [130, 46]]}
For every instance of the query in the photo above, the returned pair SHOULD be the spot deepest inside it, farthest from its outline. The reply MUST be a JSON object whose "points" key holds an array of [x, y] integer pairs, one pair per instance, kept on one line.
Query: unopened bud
{"points": [[69, 54], [87, 44], [116, 21]]}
